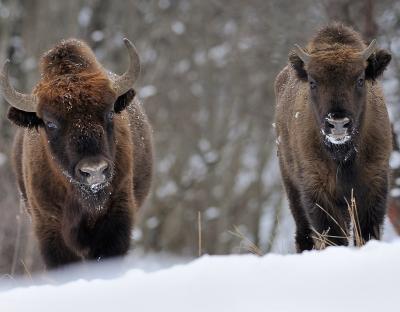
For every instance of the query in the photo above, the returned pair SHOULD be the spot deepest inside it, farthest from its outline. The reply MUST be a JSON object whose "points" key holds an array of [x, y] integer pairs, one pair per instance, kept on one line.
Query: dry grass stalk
{"points": [[28, 273], [354, 220], [246, 242], [322, 239], [199, 231]]}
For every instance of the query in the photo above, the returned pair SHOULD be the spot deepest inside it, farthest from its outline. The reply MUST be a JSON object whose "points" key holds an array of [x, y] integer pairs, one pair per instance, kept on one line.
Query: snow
{"points": [[336, 279]]}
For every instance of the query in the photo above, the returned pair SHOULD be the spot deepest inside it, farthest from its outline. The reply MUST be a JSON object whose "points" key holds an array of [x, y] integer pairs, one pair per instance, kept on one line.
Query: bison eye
{"points": [[313, 84], [51, 125], [360, 82], [110, 116]]}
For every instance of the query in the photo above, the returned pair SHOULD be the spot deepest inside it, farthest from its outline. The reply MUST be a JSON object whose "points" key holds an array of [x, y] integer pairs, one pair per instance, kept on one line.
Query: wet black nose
{"points": [[338, 124], [92, 172]]}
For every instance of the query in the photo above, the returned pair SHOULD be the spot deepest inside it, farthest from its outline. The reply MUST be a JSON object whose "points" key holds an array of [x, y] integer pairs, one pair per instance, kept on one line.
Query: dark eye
{"points": [[360, 82], [51, 125], [110, 116], [313, 84]]}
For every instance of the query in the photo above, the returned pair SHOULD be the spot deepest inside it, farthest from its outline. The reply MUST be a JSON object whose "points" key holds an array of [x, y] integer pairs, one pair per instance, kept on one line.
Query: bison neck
{"points": [[81, 213]]}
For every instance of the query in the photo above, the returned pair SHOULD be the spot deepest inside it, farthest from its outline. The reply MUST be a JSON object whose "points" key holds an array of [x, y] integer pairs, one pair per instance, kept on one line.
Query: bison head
{"points": [[338, 76], [73, 108]]}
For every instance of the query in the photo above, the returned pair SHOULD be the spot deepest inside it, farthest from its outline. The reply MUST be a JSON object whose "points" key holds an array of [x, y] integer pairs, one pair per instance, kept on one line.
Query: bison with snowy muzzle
{"points": [[335, 137], [83, 156]]}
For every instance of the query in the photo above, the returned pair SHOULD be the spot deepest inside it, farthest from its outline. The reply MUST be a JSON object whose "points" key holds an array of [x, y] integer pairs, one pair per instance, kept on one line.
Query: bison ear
{"points": [[377, 64], [24, 119], [298, 66], [123, 100]]}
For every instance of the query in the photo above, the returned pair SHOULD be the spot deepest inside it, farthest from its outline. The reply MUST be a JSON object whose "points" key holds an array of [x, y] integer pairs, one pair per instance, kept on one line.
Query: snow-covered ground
{"points": [[336, 279]]}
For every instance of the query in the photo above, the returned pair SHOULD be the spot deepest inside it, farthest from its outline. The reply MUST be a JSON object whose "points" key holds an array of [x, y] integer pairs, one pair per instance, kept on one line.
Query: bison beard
{"points": [[332, 87], [84, 160]]}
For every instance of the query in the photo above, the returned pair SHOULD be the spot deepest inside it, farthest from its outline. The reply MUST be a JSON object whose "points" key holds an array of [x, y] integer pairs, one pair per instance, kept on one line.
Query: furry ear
{"points": [[377, 64], [123, 100], [24, 119], [298, 66]]}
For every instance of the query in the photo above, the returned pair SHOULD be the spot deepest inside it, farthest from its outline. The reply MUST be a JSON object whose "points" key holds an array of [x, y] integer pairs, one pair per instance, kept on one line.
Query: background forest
{"points": [[208, 69]]}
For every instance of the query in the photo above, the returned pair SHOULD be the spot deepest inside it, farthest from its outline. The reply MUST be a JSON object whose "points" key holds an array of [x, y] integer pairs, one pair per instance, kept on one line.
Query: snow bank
{"points": [[337, 279]]}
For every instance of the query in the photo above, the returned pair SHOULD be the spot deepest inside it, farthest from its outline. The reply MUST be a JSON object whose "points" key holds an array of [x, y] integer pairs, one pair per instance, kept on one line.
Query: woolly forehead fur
{"points": [[334, 53], [71, 77]]}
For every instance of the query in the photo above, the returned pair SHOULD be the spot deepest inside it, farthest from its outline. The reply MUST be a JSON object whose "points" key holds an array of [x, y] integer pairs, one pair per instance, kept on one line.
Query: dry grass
{"points": [[354, 221], [323, 240], [246, 243], [199, 232]]}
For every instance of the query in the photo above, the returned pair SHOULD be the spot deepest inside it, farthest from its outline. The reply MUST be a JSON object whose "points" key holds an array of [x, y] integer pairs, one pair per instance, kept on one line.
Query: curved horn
{"points": [[123, 83], [25, 102], [303, 55], [369, 50]]}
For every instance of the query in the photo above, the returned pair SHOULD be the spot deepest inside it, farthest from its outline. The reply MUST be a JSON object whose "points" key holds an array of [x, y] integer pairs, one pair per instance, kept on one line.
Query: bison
{"points": [[83, 156], [334, 137]]}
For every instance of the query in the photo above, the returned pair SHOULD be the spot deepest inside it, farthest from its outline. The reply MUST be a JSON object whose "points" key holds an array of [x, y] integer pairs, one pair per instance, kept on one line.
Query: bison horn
{"points": [[303, 55], [369, 50], [123, 83], [25, 102]]}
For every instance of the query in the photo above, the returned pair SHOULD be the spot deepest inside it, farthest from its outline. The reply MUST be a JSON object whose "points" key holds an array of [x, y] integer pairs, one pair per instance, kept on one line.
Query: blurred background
{"points": [[208, 69]]}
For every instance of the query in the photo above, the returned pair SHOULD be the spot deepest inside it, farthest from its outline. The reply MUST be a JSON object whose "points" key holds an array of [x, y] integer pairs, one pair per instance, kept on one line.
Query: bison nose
{"points": [[338, 125], [93, 173]]}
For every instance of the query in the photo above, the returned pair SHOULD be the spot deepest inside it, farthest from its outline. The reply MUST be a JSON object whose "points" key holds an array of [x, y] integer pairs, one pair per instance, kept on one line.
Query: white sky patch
{"points": [[147, 91], [149, 55], [200, 57], [211, 213], [395, 192], [3, 159], [164, 4], [204, 145], [219, 53], [136, 234], [167, 189], [84, 17], [97, 35], [230, 27], [152, 222], [394, 160], [182, 66], [178, 27]]}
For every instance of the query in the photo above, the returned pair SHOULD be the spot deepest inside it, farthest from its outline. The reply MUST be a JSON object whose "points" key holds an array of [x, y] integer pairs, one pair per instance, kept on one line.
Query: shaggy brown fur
{"points": [[75, 95], [315, 171]]}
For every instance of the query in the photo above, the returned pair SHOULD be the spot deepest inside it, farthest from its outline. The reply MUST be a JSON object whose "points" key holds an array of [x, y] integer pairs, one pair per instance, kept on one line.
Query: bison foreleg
{"points": [[303, 236], [111, 235], [54, 251], [370, 214]]}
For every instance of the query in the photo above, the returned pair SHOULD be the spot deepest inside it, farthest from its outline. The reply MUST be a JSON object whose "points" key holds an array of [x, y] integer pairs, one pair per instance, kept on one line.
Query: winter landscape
{"points": [[214, 230]]}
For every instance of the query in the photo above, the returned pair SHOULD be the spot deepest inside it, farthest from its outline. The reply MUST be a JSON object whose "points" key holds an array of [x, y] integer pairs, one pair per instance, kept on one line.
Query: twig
{"points": [[26, 269], [199, 231], [250, 246]]}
